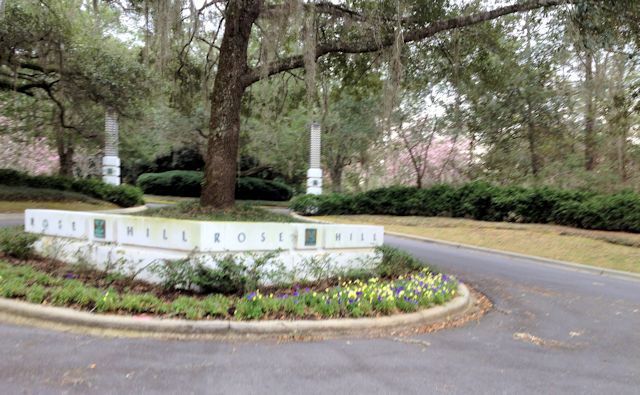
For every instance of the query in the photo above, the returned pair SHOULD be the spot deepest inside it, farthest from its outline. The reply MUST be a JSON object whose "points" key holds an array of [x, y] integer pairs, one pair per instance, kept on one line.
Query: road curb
{"points": [[566, 264], [127, 210], [11, 216], [179, 327]]}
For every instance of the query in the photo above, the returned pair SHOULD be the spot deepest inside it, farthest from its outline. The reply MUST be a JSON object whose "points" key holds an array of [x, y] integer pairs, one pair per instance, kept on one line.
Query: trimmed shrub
{"points": [[13, 177], [175, 182], [189, 184], [249, 188], [486, 202], [16, 243], [122, 195]]}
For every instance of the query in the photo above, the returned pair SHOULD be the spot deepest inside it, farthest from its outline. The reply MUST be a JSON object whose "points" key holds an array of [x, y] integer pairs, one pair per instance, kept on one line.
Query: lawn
{"points": [[17, 199], [612, 250]]}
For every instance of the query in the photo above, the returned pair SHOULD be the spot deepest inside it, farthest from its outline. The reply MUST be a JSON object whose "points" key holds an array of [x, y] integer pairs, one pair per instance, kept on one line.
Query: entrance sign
{"points": [[100, 236]]}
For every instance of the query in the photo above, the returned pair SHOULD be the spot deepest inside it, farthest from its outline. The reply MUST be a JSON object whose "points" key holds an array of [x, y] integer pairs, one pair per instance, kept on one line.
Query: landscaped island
{"points": [[236, 287], [398, 284]]}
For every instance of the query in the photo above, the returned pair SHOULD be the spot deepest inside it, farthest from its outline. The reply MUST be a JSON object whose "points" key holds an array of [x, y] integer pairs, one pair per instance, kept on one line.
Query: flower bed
{"points": [[353, 298], [348, 298], [397, 283]]}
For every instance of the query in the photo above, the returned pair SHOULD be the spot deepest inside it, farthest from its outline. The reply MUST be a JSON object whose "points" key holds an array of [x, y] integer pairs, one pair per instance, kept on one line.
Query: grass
{"points": [[17, 199], [611, 250], [242, 212]]}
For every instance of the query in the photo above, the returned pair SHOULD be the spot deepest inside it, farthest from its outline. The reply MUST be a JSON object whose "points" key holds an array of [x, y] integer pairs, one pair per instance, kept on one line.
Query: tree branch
{"points": [[323, 7], [374, 44]]}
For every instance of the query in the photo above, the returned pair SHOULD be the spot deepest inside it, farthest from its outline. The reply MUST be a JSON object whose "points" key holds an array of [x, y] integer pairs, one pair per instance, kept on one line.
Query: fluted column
{"points": [[110, 160], [314, 174]]}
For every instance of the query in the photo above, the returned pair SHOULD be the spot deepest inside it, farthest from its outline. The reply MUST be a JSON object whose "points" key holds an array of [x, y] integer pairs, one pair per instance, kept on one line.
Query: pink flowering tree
{"points": [[33, 155], [423, 154]]}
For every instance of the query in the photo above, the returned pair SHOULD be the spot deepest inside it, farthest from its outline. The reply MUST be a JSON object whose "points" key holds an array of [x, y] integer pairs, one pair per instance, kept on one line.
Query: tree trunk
{"points": [[218, 190], [532, 142], [533, 150], [531, 126], [589, 127], [622, 156], [65, 152], [147, 35], [336, 178]]}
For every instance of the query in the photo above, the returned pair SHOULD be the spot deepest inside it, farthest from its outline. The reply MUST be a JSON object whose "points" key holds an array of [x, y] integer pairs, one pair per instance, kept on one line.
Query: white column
{"points": [[314, 174], [111, 161]]}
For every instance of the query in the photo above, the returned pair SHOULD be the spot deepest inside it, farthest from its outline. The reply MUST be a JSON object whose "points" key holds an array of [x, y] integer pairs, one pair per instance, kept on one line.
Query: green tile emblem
{"points": [[310, 237], [99, 227]]}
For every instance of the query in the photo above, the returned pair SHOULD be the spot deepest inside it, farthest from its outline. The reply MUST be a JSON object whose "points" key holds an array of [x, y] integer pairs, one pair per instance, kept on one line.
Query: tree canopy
{"points": [[526, 92]]}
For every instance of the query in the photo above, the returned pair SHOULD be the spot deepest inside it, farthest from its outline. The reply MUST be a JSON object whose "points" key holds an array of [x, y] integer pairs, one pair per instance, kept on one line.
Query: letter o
{"points": [[242, 237]]}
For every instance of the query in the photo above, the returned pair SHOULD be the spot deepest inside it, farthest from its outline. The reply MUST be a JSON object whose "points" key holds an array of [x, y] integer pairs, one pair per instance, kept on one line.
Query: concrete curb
{"points": [[74, 318], [127, 210], [11, 216], [570, 265]]}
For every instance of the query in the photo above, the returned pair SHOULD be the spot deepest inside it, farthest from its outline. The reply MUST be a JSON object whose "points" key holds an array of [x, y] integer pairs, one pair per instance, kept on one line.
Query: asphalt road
{"points": [[553, 330]]}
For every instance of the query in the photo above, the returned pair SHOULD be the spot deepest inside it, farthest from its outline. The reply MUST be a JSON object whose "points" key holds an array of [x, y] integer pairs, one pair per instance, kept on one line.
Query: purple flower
{"points": [[69, 275], [306, 290], [251, 296]]}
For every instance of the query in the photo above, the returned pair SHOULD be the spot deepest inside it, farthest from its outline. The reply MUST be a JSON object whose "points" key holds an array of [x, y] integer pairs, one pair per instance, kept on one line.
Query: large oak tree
{"points": [[362, 31]]}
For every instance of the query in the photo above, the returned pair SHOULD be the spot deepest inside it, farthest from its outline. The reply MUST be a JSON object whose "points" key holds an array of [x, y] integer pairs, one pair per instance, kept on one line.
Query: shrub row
{"points": [[122, 195], [189, 183], [486, 202]]}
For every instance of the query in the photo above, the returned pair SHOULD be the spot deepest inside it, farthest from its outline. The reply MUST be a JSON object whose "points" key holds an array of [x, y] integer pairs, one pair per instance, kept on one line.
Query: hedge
{"points": [[486, 202], [121, 195], [188, 183]]}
